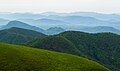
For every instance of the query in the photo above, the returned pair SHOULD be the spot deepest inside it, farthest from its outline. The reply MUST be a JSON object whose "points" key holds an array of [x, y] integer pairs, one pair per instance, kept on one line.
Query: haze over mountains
{"points": [[68, 21], [76, 19], [56, 30]]}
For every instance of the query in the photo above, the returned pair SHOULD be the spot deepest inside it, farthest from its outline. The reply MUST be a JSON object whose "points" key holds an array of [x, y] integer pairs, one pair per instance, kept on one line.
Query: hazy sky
{"points": [[106, 6]]}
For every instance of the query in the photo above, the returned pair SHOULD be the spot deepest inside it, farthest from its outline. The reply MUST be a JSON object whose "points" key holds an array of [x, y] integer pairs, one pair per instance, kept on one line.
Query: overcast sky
{"points": [[105, 6]]}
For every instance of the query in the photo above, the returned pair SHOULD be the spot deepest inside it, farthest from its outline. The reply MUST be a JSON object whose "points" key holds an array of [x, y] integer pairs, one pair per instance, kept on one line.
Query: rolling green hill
{"points": [[13, 57], [18, 35], [101, 47]]}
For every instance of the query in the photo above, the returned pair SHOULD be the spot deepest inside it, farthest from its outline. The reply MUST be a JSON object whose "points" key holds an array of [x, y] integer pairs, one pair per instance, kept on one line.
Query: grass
{"points": [[20, 58]]}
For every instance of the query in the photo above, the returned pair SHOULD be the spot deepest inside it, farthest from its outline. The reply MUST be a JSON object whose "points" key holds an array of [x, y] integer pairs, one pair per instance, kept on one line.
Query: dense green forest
{"points": [[102, 47], [21, 58]]}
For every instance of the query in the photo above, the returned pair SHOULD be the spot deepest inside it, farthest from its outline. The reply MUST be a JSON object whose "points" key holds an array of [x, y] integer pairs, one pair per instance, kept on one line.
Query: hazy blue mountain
{"points": [[51, 21], [1, 26], [3, 21], [99, 19], [83, 20], [54, 30], [100, 16], [16, 16], [80, 20], [22, 25], [99, 29], [45, 23]]}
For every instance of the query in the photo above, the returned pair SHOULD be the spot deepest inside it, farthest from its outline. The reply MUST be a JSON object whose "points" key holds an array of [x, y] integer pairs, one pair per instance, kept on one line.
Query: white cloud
{"points": [[59, 5]]}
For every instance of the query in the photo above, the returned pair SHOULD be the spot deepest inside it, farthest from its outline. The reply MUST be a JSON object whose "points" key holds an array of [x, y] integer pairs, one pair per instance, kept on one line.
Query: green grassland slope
{"points": [[20, 58]]}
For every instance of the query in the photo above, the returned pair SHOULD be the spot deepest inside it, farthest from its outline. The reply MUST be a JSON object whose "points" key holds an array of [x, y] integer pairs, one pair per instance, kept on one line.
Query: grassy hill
{"points": [[18, 35], [13, 57]]}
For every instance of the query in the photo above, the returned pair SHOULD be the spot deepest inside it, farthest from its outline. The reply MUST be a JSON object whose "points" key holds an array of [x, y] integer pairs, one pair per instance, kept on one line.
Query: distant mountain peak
{"points": [[16, 23], [55, 30], [23, 25]]}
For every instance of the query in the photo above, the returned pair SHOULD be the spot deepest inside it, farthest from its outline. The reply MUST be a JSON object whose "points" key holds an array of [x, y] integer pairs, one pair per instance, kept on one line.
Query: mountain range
{"points": [[64, 20], [57, 30], [19, 24]]}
